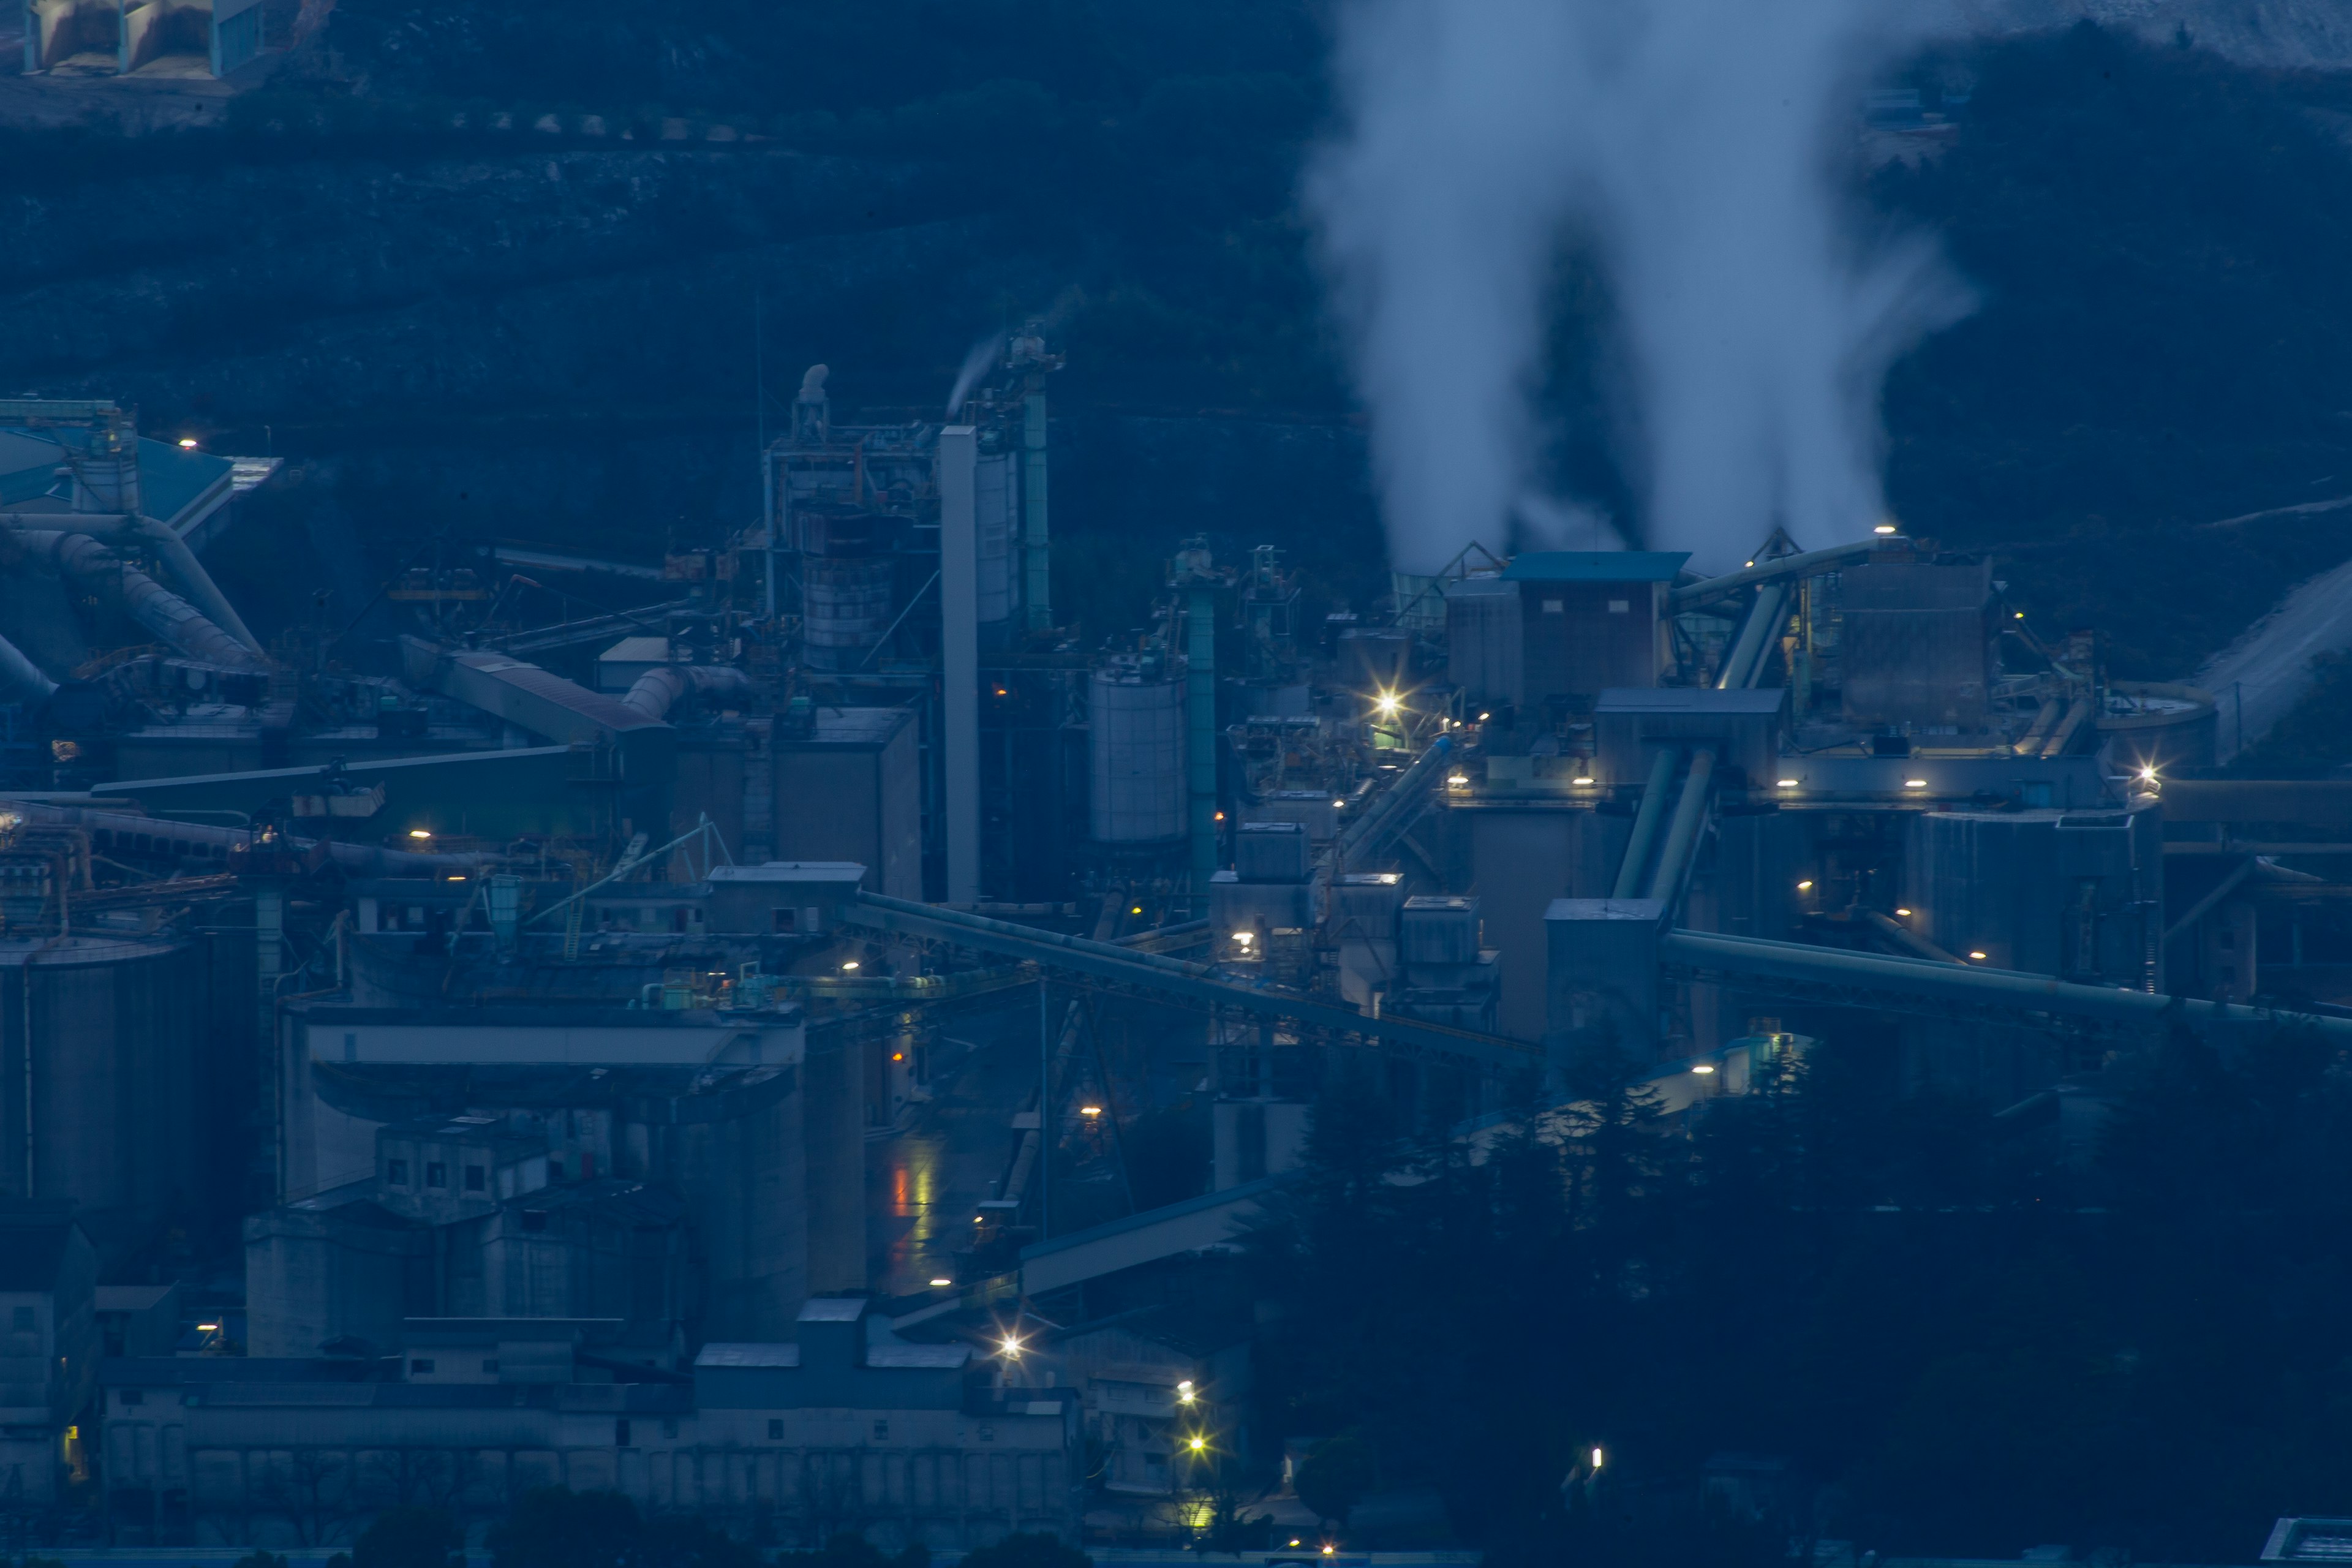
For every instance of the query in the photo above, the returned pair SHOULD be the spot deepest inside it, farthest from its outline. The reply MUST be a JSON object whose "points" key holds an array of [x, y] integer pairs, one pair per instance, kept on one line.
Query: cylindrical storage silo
{"points": [[1135, 747], [846, 606], [992, 510], [115, 1104]]}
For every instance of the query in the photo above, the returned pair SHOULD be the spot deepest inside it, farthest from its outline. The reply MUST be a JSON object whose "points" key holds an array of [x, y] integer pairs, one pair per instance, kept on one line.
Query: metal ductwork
{"points": [[1394, 809], [172, 550], [1682, 834], [1745, 664], [363, 859], [92, 566], [663, 688], [1811, 564], [20, 678], [1862, 974]]}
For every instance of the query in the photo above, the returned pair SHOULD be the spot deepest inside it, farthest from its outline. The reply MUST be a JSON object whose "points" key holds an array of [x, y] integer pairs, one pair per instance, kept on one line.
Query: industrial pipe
{"points": [[660, 688], [1746, 660], [1033, 934], [366, 859], [20, 677], [1903, 937], [1196, 983], [2030, 743], [171, 618], [1690, 811], [2204, 906], [1645, 824], [1367, 829], [2076, 714], [197, 582], [1811, 563], [108, 528], [1755, 956]]}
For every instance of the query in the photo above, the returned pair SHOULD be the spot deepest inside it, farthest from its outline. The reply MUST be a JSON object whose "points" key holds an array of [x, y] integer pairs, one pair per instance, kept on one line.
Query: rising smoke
{"points": [[1692, 144], [977, 362]]}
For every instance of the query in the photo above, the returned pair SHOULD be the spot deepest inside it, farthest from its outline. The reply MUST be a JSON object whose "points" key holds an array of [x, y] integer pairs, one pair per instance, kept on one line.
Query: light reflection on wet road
{"points": [[924, 1184]]}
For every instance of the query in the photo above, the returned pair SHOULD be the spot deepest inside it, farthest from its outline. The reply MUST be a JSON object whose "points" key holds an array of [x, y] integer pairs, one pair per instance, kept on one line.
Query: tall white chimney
{"points": [[960, 656]]}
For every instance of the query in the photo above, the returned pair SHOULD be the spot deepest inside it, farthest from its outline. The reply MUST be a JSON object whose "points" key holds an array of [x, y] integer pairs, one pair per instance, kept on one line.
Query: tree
{"points": [[689, 1543], [1027, 1551], [408, 1538], [555, 1527], [1333, 1477]]}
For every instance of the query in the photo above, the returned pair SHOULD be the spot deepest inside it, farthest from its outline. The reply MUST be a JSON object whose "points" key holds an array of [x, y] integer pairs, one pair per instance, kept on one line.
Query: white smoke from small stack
{"points": [[1692, 144], [977, 361]]}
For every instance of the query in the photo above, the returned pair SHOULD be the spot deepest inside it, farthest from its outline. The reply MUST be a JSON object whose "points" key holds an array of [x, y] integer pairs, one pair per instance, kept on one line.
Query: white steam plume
{"points": [[976, 363], [1694, 143]]}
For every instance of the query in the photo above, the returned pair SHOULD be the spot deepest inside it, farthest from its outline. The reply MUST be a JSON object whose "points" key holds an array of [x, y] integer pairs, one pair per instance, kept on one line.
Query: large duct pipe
{"points": [[92, 565], [1745, 661], [958, 475], [1690, 811], [195, 582], [662, 688], [2077, 715], [2030, 743], [1755, 956], [365, 859], [1645, 824], [1813, 562], [1903, 937], [20, 678], [1367, 829]]}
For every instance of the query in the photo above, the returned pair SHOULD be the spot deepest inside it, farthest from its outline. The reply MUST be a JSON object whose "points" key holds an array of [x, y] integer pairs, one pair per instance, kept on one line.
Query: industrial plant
{"points": [[719, 1049]]}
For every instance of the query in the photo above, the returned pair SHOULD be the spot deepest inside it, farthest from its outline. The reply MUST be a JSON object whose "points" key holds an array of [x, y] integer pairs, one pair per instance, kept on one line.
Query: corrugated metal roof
{"points": [[1764, 699], [938, 1356], [762, 1355], [1596, 566]]}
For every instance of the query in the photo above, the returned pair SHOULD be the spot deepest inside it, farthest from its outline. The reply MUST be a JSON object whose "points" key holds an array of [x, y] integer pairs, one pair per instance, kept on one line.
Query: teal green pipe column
{"points": [[1201, 736]]}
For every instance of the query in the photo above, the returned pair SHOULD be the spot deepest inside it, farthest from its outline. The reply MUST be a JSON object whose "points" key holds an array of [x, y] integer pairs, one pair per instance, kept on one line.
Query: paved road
{"points": [[925, 1182], [2259, 678]]}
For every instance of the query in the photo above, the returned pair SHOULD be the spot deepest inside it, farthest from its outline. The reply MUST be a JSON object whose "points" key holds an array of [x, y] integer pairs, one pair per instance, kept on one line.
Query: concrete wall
{"points": [[1521, 861], [269, 1471], [113, 1078]]}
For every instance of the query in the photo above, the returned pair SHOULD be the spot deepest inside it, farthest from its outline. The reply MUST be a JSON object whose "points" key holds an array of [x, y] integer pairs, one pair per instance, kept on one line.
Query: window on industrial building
{"points": [[787, 920], [1621, 606], [437, 1174], [534, 1219], [1555, 606], [396, 1172], [21, 1319], [669, 1425], [476, 1179], [134, 1396], [621, 1433], [881, 1428], [775, 1431], [420, 1366]]}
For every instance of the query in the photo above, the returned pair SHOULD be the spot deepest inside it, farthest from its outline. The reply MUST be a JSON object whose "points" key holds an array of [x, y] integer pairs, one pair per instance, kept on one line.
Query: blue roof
{"points": [[1596, 566], [170, 480]]}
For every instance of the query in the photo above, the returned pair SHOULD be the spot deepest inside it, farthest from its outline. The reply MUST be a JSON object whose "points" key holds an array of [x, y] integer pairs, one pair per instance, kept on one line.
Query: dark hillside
{"points": [[550, 335]]}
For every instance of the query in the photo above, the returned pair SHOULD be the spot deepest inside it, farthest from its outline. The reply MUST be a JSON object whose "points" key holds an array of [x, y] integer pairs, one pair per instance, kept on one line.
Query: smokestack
{"points": [[959, 460]]}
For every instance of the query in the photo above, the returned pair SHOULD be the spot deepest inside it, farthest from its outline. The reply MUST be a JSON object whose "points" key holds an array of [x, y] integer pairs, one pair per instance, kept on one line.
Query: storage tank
{"points": [[993, 503], [1136, 752], [847, 605], [112, 1123]]}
